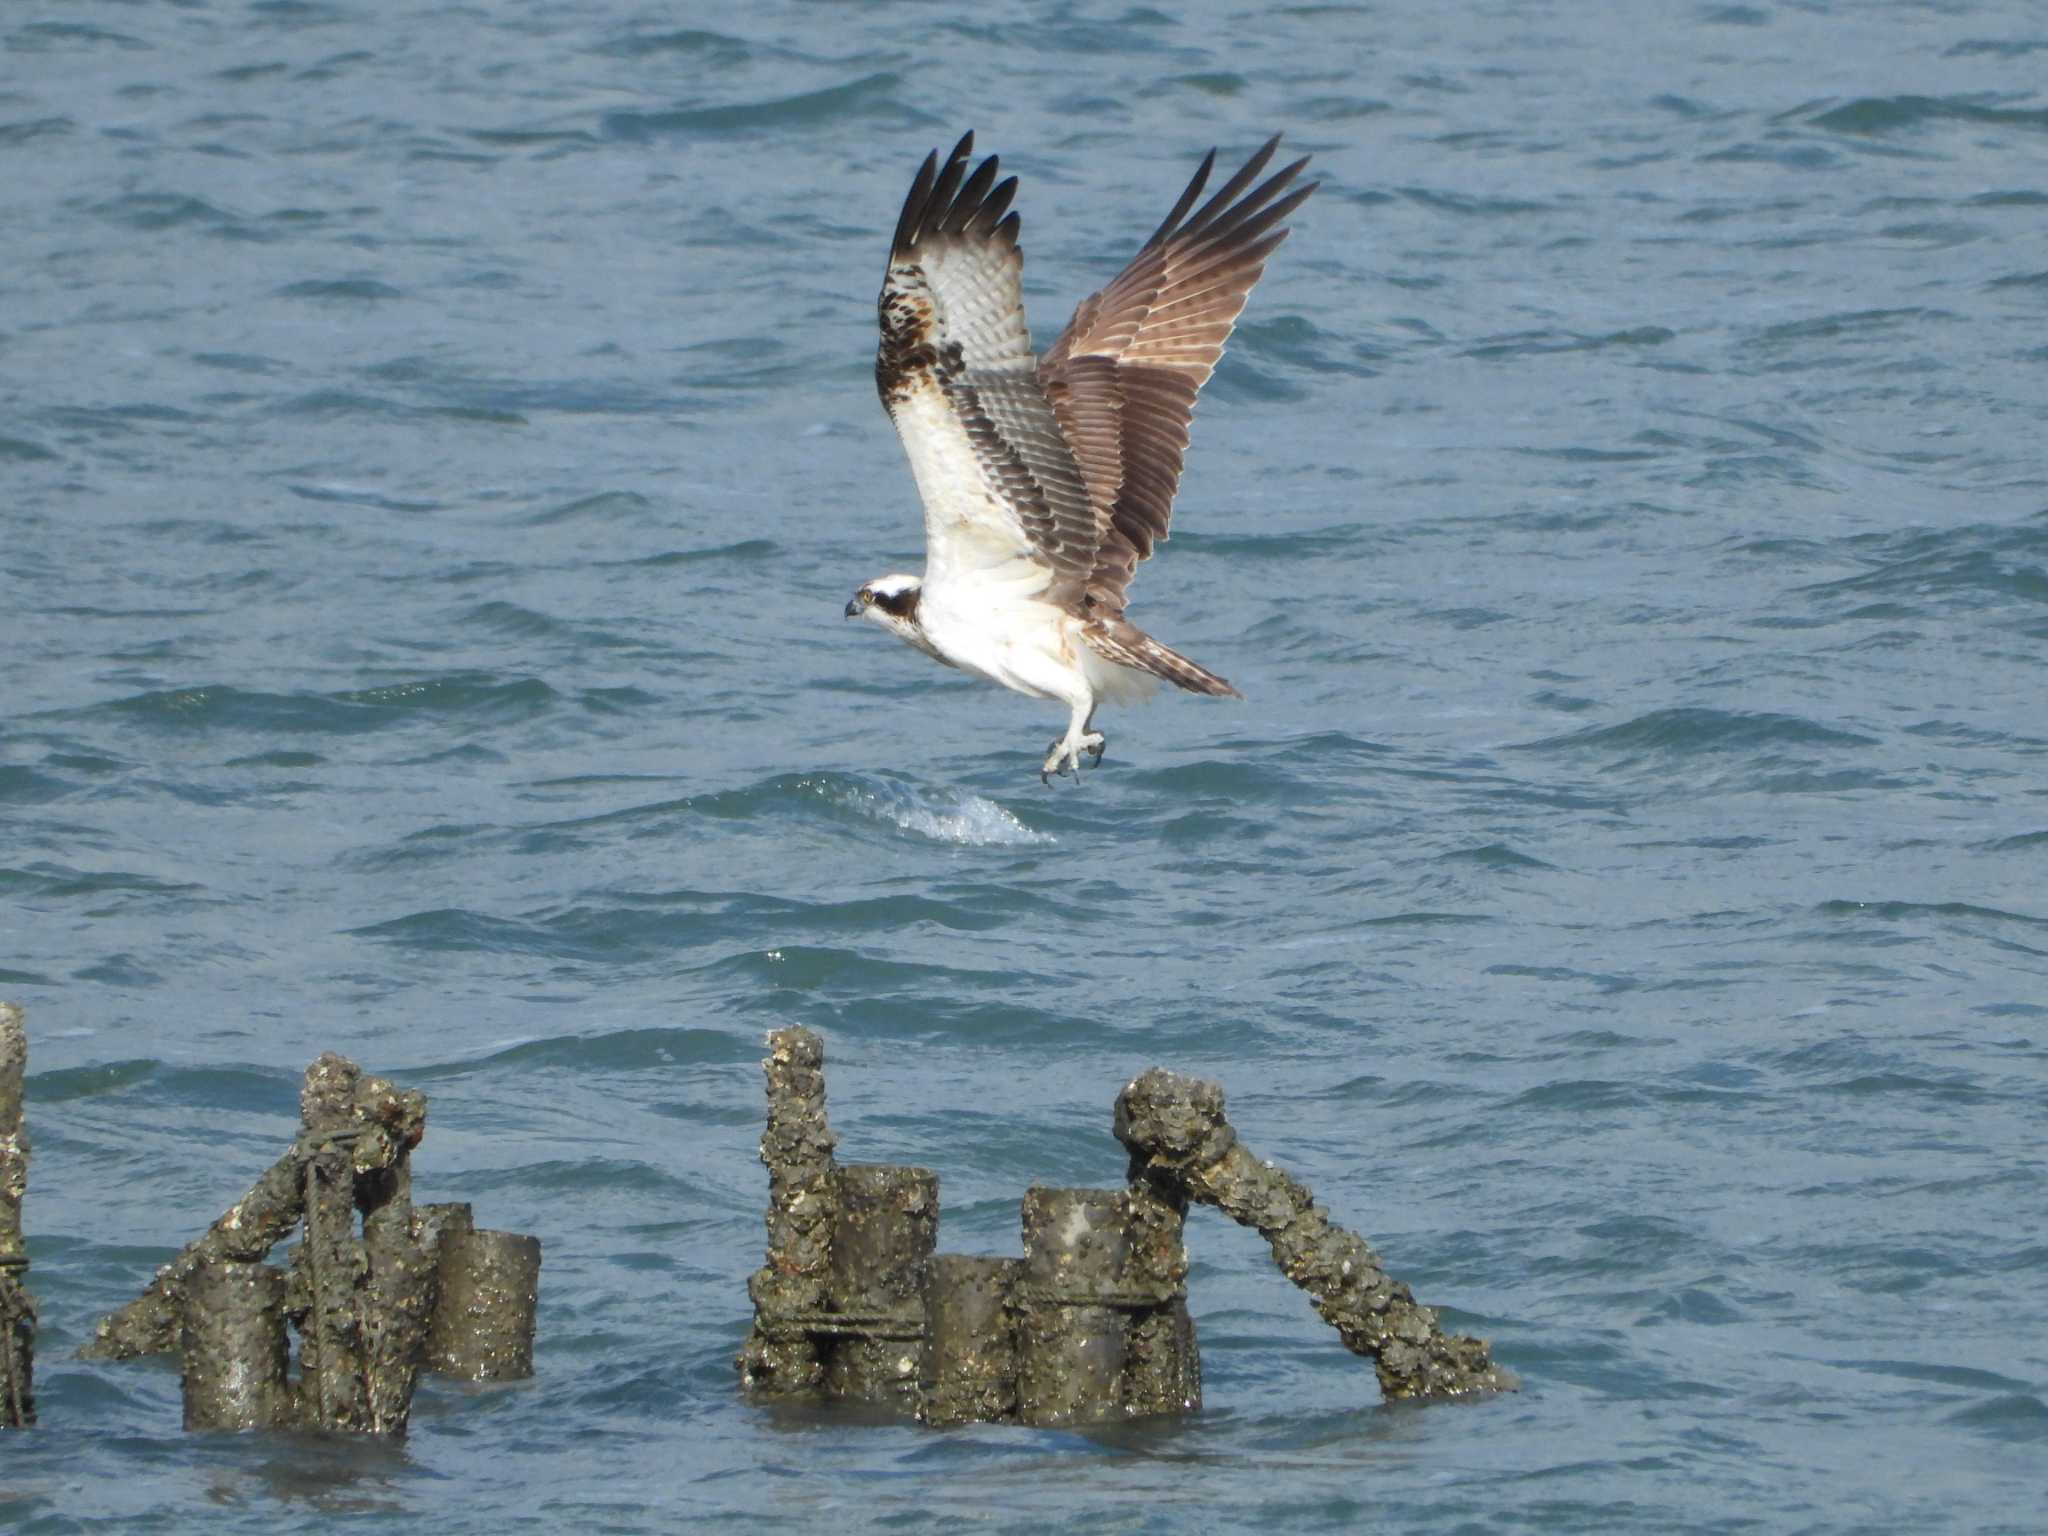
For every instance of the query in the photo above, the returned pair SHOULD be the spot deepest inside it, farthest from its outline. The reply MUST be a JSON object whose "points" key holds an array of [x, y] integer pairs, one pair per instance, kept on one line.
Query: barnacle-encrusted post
{"points": [[969, 1373], [234, 1349], [489, 1284], [1162, 1367], [1072, 1330], [333, 1260], [401, 1286], [17, 1307], [884, 1231], [779, 1356], [1177, 1135]]}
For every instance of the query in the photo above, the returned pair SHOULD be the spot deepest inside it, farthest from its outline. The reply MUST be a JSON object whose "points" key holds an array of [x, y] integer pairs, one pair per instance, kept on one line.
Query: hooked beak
{"points": [[853, 608]]}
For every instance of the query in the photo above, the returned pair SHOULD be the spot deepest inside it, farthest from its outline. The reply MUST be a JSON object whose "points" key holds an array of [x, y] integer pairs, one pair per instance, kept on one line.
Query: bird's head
{"points": [[890, 601]]}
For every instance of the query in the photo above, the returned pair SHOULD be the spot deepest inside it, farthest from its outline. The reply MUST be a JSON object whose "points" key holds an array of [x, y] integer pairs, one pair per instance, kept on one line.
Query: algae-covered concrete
{"points": [[779, 1354], [1162, 1366], [364, 1303], [1093, 1323], [363, 1125], [1179, 1140], [332, 1259], [1072, 1335], [483, 1322], [885, 1226], [969, 1370], [17, 1307], [235, 1354]]}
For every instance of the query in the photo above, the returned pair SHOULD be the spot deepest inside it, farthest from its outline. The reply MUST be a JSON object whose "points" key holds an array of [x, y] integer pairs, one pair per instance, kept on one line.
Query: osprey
{"points": [[1045, 480]]}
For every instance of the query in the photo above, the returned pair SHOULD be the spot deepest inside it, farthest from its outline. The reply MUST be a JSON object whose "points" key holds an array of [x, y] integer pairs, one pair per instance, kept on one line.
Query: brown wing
{"points": [[1123, 378]]}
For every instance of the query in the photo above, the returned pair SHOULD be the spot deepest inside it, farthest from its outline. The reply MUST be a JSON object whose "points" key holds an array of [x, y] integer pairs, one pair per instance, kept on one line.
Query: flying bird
{"points": [[1045, 480]]}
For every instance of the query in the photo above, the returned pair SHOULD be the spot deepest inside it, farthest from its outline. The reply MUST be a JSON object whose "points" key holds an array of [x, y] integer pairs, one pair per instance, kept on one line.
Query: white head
{"points": [[891, 601]]}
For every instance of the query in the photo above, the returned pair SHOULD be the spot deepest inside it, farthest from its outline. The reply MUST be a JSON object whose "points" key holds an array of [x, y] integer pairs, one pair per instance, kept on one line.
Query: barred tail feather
{"points": [[1129, 646]]}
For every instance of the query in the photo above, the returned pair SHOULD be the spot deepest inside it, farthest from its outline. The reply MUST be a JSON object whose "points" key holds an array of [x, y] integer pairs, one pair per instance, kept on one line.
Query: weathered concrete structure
{"points": [[415, 1288], [17, 1307], [1092, 1323]]}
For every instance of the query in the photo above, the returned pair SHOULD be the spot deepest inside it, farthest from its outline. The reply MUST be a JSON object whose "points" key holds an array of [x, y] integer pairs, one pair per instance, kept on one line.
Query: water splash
{"points": [[943, 815]]}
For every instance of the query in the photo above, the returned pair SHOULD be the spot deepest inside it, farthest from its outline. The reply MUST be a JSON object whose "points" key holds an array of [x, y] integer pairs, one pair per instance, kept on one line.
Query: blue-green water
{"points": [[436, 445]]}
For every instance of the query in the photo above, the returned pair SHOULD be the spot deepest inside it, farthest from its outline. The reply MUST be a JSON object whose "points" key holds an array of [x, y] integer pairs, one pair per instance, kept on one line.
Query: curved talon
{"points": [[1064, 754]]}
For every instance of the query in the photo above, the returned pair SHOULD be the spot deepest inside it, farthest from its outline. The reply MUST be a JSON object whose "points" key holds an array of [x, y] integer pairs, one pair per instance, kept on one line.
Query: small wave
{"points": [[153, 211], [872, 98], [22, 785], [2019, 1417], [713, 48], [1884, 114], [1903, 911], [33, 128], [623, 1050], [23, 451], [347, 713], [1700, 730], [348, 290], [753, 551], [1494, 856], [600, 506], [1980, 563]]}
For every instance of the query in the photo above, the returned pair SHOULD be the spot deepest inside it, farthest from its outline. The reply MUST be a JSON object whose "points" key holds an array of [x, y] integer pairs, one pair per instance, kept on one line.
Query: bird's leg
{"points": [[1092, 740], [1066, 752]]}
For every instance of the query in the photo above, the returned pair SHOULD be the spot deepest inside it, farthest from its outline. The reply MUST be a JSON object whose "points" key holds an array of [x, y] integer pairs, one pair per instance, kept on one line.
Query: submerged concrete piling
{"points": [[969, 1370], [235, 1353], [364, 1302], [400, 1289], [885, 1226], [1093, 1322], [1178, 1138], [489, 1287], [248, 1229], [1162, 1366], [17, 1307], [332, 1258], [1071, 1331], [781, 1354]]}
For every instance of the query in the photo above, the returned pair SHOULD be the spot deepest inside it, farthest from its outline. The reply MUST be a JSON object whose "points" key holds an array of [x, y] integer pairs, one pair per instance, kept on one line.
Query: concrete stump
{"points": [[1071, 1338], [885, 1226], [233, 1342], [482, 1328], [17, 1307], [969, 1373]]}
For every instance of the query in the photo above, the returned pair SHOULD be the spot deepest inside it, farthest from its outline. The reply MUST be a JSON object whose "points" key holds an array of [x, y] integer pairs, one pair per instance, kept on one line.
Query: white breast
{"points": [[991, 624]]}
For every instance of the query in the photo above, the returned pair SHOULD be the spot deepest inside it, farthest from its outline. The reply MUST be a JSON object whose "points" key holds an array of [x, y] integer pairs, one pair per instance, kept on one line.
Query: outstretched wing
{"points": [[956, 374], [1123, 378]]}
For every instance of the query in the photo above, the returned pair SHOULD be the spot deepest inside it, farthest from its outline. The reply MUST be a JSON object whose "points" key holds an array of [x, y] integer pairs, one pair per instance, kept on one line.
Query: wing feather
{"points": [[956, 373], [1123, 377]]}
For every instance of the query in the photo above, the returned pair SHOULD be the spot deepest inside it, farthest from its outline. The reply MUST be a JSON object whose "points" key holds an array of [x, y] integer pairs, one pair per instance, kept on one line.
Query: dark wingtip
{"points": [[946, 198]]}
